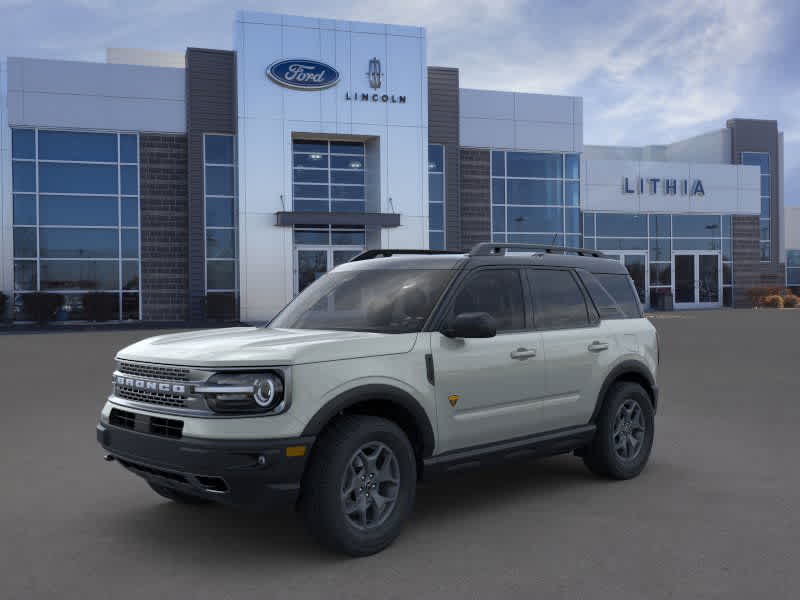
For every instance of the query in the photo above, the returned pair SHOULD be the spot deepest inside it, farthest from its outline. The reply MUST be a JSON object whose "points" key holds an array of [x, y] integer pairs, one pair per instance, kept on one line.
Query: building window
{"points": [[76, 221], [761, 160], [222, 276], [793, 270], [657, 236], [436, 197], [536, 198], [328, 176]]}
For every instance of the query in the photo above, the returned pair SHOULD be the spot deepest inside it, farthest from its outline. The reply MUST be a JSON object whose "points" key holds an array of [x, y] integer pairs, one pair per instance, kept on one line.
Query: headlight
{"points": [[244, 393]]}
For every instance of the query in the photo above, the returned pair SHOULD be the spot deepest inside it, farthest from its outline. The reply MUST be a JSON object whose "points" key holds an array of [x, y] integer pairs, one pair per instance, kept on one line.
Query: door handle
{"points": [[596, 346], [523, 353]]}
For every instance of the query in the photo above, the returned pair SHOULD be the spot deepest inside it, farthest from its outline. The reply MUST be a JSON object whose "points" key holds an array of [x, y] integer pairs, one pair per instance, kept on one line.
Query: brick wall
{"points": [[476, 216], [443, 128], [748, 271], [165, 231]]}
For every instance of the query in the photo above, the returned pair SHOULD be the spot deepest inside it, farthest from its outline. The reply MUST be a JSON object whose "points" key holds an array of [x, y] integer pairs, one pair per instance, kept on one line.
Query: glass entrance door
{"points": [[696, 279], [313, 263], [636, 263]]}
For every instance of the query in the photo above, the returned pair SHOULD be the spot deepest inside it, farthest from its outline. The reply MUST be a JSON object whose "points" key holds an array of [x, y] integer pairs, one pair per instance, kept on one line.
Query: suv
{"points": [[397, 365]]}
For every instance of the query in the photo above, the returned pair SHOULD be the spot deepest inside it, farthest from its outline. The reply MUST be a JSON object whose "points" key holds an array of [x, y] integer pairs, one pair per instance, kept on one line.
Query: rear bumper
{"points": [[247, 473]]}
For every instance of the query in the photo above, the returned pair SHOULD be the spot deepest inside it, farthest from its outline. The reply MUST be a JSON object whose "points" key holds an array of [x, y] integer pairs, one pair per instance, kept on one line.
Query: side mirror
{"points": [[471, 325]]}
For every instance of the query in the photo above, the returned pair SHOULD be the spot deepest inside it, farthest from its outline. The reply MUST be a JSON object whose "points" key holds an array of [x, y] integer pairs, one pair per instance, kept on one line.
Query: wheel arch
{"points": [[629, 370], [384, 401]]}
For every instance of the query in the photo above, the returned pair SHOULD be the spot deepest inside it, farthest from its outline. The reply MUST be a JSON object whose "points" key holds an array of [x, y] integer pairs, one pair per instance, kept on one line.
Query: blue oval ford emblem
{"points": [[302, 74]]}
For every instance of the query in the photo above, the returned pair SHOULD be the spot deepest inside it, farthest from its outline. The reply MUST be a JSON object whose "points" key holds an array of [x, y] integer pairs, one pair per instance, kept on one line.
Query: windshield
{"points": [[385, 301]]}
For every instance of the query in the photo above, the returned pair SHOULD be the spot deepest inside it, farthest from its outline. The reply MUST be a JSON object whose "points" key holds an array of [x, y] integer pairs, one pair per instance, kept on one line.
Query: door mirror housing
{"points": [[471, 325]]}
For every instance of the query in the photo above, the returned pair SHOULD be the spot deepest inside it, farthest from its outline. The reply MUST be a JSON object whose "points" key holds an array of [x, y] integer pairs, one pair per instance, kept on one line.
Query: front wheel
{"points": [[360, 486], [624, 437]]}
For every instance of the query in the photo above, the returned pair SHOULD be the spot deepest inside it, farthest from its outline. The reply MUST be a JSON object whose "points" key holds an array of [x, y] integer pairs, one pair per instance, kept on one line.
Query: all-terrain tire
{"points": [[625, 430], [341, 480]]}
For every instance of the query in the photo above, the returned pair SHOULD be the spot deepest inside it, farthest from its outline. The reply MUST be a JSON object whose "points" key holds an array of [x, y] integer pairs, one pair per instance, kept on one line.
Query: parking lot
{"points": [[713, 516]]}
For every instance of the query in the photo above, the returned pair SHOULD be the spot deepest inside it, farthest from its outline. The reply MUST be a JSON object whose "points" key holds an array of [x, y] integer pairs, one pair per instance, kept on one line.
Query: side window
{"points": [[558, 301], [607, 307], [621, 289], [497, 292]]}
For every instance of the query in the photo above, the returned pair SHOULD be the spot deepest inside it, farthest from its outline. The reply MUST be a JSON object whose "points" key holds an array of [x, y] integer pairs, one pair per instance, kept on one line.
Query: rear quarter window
{"points": [[620, 288]]}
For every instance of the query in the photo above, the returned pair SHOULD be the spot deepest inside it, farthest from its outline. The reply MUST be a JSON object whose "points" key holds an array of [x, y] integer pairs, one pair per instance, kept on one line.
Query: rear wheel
{"points": [[175, 495], [360, 486], [624, 438]]}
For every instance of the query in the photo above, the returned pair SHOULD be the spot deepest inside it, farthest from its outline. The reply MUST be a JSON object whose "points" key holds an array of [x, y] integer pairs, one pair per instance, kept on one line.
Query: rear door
{"points": [[578, 347], [488, 390]]}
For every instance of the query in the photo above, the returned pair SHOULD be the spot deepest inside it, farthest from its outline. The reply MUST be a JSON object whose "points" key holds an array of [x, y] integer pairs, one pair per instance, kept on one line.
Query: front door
{"points": [[636, 263], [697, 279], [311, 263], [491, 389]]}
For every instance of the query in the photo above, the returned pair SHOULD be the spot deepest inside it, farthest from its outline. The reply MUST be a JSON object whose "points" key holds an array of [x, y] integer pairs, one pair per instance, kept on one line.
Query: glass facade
{"points": [[793, 269], [76, 219], [436, 197], [761, 160], [535, 198], [222, 277], [328, 176], [658, 236]]}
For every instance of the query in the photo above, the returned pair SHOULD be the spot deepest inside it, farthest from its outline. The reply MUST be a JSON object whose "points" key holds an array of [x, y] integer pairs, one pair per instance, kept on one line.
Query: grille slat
{"points": [[171, 428], [122, 418], [166, 427], [154, 371]]}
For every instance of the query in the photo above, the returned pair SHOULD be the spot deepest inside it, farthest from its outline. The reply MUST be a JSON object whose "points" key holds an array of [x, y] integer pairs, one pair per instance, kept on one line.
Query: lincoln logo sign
{"points": [[302, 74], [669, 187]]}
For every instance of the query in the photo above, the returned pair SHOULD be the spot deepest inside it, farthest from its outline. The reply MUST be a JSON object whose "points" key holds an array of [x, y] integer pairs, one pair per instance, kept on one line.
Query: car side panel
{"points": [[315, 385], [634, 341]]}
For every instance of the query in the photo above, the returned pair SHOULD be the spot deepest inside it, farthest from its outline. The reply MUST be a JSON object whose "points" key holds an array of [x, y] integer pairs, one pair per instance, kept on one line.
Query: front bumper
{"points": [[247, 473]]}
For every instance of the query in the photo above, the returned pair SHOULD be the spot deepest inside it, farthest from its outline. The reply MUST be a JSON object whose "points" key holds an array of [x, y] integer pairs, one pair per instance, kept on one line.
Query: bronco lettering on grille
{"points": [[151, 386]]}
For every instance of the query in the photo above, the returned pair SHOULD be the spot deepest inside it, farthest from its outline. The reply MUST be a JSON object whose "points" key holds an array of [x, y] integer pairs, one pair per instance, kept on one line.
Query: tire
{"points": [[175, 495], [342, 510], [625, 417]]}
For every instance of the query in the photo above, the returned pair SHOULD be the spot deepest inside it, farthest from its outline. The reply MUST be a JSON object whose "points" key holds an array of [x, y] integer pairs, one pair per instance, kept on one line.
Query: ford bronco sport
{"points": [[397, 365]]}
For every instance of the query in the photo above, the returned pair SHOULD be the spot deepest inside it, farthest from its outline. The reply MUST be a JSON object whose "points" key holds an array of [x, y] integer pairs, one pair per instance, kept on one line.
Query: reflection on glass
{"points": [[77, 210], [80, 275], [311, 265]]}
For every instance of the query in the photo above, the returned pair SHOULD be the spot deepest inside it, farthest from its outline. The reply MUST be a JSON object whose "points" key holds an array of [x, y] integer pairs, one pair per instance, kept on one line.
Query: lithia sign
{"points": [[667, 186], [306, 74]]}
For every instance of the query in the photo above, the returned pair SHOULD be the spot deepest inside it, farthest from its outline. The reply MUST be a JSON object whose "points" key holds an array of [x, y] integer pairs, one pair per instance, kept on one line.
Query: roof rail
{"points": [[491, 249], [386, 252]]}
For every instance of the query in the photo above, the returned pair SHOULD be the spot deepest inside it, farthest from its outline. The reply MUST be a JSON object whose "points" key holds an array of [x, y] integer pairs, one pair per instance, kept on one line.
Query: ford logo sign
{"points": [[303, 74]]}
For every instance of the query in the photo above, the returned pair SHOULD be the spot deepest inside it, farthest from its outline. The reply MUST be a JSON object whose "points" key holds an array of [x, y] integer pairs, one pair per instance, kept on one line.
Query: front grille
{"points": [[166, 427], [160, 398], [154, 371], [122, 418]]}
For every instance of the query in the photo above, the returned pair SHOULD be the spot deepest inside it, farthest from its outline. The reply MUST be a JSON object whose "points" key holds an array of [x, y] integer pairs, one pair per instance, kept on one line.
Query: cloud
{"points": [[649, 72]]}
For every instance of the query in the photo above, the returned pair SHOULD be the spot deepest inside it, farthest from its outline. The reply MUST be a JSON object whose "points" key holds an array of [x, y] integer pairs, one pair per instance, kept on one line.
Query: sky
{"points": [[650, 72]]}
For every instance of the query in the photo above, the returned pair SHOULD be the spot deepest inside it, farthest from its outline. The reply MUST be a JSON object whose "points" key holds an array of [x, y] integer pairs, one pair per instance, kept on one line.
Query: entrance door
{"points": [[636, 263], [697, 279], [311, 263]]}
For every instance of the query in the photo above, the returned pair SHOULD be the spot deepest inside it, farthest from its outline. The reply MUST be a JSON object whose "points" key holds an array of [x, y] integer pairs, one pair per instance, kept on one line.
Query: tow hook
{"points": [[108, 458]]}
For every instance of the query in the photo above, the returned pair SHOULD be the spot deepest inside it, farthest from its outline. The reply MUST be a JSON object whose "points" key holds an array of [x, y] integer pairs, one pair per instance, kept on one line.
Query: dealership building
{"points": [[217, 184]]}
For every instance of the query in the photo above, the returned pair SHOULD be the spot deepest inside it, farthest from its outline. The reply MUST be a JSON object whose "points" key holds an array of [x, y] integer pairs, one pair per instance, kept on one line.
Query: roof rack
{"points": [[491, 249], [386, 252]]}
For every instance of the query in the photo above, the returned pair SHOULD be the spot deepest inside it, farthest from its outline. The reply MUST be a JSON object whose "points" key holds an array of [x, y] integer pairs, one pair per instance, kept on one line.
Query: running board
{"points": [[544, 444]]}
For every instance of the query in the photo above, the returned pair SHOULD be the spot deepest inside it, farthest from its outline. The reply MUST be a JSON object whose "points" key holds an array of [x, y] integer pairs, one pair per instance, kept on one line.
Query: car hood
{"points": [[260, 346]]}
